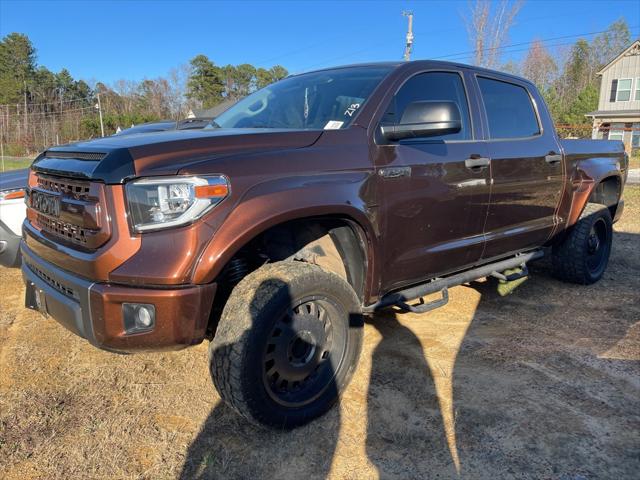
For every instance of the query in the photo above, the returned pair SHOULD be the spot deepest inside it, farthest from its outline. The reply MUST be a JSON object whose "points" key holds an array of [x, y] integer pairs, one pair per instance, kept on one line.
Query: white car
{"points": [[12, 213]]}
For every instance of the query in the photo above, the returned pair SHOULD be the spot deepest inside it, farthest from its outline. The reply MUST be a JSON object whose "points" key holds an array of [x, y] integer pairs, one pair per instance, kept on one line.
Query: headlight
{"points": [[164, 202]]}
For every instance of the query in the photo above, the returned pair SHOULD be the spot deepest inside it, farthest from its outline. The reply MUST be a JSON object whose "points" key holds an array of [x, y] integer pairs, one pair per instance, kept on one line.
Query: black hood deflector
{"points": [[114, 166], [115, 159]]}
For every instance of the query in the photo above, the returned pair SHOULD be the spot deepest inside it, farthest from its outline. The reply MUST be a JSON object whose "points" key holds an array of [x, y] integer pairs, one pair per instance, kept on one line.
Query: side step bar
{"points": [[400, 298]]}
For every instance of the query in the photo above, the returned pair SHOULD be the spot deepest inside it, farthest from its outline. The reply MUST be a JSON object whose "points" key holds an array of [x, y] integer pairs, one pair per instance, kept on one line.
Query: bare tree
{"points": [[477, 28], [178, 78], [539, 66], [488, 29]]}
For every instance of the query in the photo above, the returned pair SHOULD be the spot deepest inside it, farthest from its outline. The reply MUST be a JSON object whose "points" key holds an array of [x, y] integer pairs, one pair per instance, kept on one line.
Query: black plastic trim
{"points": [[115, 167], [72, 313]]}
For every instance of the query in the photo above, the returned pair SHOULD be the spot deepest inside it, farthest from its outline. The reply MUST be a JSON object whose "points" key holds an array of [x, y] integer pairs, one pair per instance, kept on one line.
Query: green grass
{"points": [[13, 163], [634, 160]]}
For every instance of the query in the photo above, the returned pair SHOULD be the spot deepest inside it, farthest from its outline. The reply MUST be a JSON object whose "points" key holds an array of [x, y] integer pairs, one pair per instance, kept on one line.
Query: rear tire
{"points": [[583, 255], [287, 344]]}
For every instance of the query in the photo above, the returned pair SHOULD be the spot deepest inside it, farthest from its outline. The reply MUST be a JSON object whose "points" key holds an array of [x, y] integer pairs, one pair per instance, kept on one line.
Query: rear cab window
{"points": [[509, 109], [432, 86]]}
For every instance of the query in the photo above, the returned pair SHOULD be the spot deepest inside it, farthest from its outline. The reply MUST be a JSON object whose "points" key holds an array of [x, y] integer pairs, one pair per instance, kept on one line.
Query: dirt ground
{"points": [[544, 383]]}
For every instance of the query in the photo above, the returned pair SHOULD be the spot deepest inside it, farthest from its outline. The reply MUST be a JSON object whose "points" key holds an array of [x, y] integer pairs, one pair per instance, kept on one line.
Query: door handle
{"points": [[553, 159], [477, 163]]}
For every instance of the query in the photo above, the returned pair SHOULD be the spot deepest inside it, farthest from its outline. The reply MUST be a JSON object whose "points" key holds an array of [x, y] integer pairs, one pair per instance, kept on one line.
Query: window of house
{"points": [[617, 131], [624, 90], [509, 109], [635, 134], [637, 97]]}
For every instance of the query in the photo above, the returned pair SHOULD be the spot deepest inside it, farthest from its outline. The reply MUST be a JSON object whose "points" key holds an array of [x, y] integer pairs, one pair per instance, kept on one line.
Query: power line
{"points": [[58, 102], [424, 33], [467, 54], [53, 114], [516, 50], [525, 43], [470, 56]]}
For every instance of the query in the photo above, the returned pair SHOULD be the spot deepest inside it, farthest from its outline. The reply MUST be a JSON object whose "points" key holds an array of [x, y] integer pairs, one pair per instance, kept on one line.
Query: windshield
{"points": [[329, 99]]}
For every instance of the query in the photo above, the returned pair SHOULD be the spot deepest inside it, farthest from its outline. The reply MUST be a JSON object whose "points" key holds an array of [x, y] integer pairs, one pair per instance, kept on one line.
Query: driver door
{"points": [[434, 202]]}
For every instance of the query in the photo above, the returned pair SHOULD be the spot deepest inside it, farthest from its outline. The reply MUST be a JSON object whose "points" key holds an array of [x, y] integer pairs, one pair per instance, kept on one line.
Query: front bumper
{"points": [[9, 247], [94, 310]]}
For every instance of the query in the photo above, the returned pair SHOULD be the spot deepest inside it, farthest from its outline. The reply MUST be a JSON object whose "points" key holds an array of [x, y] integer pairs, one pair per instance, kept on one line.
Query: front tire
{"points": [[583, 255], [287, 344]]}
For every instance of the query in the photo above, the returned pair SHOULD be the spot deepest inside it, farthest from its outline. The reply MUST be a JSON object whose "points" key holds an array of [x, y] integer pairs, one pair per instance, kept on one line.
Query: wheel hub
{"points": [[297, 359], [302, 348], [597, 246], [593, 242]]}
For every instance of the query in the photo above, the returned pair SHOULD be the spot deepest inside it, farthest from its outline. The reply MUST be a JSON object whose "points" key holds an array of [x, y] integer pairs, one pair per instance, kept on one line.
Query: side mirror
{"points": [[425, 119]]}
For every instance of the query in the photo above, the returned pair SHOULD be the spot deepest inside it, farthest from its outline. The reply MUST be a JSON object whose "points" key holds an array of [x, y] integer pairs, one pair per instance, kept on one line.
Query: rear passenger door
{"points": [[526, 168]]}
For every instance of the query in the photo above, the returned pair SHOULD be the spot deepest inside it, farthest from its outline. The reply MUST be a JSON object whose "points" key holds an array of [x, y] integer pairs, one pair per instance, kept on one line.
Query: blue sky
{"points": [[109, 40]]}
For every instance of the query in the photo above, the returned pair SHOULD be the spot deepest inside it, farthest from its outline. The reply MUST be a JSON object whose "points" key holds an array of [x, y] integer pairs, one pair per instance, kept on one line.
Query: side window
{"points": [[509, 109], [432, 86], [624, 90]]}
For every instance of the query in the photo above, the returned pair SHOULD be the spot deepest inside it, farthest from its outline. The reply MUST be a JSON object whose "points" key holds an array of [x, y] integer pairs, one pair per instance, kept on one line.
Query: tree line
{"points": [[566, 77], [39, 107]]}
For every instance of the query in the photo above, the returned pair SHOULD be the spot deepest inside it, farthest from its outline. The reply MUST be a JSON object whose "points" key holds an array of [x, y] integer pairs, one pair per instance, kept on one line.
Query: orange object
{"points": [[208, 191], [14, 195]]}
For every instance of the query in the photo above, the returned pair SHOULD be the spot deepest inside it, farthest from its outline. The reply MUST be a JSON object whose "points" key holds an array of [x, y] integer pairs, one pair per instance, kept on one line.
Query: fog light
{"points": [[138, 317]]}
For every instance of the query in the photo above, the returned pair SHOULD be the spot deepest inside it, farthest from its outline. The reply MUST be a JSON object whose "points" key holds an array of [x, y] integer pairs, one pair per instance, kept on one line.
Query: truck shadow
{"points": [[542, 377], [228, 446], [488, 387]]}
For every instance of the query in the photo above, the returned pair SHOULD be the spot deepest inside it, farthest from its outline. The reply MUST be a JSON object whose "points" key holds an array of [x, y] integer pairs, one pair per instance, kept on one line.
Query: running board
{"points": [[401, 297], [426, 307]]}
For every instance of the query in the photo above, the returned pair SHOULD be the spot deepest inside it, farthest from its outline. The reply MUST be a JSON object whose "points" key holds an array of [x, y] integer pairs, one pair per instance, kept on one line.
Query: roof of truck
{"points": [[427, 63]]}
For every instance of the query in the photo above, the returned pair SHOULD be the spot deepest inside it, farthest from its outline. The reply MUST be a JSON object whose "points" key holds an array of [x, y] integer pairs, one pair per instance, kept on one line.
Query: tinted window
{"points": [[432, 86], [509, 109]]}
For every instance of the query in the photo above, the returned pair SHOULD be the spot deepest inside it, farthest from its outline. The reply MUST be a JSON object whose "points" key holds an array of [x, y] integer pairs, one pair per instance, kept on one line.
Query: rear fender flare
{"points": [[589, 174]]}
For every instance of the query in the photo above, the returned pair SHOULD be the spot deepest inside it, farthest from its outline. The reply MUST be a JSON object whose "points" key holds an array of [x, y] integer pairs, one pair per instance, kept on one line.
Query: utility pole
{"points": [[409, 46], [99, 107], [25, 107]]}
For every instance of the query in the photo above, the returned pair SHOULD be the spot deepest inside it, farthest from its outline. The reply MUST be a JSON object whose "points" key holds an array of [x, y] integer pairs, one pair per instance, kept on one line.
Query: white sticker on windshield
{"points": [[333, 125]]}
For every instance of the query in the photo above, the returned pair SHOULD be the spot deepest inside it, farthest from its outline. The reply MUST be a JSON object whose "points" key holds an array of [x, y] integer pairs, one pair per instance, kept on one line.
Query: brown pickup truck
{"points": [[312, 202]]}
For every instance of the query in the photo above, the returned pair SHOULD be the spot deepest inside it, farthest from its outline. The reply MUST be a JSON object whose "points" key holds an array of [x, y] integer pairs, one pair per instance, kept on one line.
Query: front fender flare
{"points": [[340, 195]]}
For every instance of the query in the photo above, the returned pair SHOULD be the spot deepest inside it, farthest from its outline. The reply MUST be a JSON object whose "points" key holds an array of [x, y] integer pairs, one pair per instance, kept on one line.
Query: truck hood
{"points": [[114, 159]]}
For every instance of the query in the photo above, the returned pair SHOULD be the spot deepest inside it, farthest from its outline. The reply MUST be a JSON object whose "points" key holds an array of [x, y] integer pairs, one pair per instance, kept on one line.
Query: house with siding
{"points": [[618, 114]]}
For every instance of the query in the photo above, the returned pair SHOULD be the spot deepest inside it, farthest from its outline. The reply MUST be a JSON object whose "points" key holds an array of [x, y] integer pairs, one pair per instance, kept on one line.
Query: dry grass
{"points": [[544, 383], [634, 159]]}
